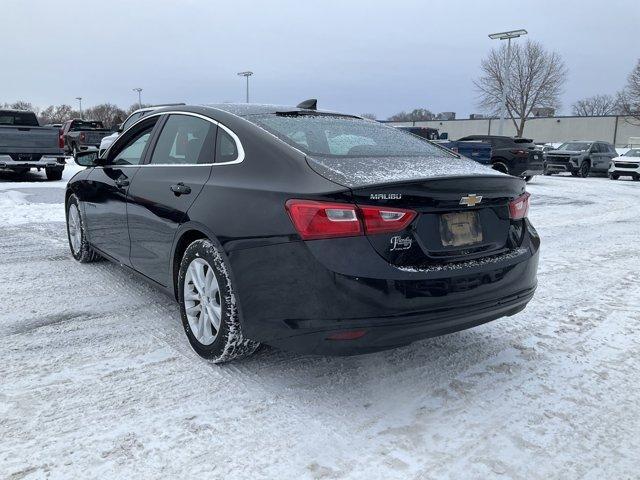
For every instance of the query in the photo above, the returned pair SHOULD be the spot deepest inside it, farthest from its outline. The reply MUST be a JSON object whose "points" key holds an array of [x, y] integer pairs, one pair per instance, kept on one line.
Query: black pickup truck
{"points": [[515, 156], [24, 144], [80, 135]]}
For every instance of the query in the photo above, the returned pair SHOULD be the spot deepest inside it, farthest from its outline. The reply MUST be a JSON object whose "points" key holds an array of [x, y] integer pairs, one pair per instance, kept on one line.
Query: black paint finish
{"points": [[292, 293]]}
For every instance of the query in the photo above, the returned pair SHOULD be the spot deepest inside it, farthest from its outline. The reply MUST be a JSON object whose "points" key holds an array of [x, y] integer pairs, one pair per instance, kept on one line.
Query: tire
{"points": [[53, 173], [574, 173], [74, 151], [215, 332], [583, 172], [500, 166], [636, 178], [614, 176], [76, 233], [528, 178]]}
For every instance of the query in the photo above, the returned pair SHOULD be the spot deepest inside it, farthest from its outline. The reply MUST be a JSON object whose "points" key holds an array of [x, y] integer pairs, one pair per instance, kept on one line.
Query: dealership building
{"points": [[620, 130]]}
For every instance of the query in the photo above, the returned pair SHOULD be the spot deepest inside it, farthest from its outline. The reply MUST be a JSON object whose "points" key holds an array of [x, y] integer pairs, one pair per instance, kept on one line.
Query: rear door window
{"points": [[185, 140]]}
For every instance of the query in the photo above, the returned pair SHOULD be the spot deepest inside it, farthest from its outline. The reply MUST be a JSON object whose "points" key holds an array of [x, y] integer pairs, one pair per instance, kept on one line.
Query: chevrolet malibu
{"points": [[306, 230]]}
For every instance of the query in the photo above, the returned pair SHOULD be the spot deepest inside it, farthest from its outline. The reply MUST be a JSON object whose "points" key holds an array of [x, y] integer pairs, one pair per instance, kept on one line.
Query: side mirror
{"points": [[88, 158], [444, 136]]}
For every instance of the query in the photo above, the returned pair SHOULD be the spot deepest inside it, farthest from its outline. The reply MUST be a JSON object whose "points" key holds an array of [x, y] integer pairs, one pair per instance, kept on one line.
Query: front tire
{"points": [[584, 169], [614, 176], [501, 167], [208, 307], [77, 234]]}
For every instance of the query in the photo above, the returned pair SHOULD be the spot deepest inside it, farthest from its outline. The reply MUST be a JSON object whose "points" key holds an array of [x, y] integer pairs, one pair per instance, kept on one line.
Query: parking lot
{"points": [[99, 381]]}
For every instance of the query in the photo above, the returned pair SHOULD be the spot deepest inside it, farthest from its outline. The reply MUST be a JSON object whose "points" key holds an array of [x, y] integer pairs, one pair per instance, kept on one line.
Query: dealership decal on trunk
{"points": [[471, 200], [400, 243], [385, 196]]}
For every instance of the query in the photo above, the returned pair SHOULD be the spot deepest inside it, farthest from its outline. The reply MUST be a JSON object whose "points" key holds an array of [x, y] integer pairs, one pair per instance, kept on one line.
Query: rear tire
{"points": [[208, 308], [501, 167], [77, 234], [53, 173]]}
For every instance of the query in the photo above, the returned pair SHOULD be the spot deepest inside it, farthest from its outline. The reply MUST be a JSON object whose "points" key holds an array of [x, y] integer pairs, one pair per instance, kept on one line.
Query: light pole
{"points": [[246, 75], [139, 90], [507, 70], [80, 106]]}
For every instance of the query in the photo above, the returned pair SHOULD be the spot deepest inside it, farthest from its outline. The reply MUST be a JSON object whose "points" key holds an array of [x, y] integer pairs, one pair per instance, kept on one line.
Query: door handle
{"points": [[122, 182], [180, 189]]}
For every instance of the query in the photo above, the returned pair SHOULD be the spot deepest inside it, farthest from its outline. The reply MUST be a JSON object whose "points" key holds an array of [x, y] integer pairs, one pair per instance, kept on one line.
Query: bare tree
{"points": [[596, 105], [416, 115], [370, 116], [58, 114], [21, 105], [107, 113], [536, 77], [629, 98], [136, 106]]}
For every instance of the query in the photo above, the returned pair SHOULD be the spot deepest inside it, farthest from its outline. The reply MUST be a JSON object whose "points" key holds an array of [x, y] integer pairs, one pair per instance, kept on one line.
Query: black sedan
{"points": [[306, 230]]}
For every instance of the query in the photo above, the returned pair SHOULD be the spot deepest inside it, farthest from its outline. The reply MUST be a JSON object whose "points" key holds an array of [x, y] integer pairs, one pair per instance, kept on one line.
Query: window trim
{"points": [[231, 133]]}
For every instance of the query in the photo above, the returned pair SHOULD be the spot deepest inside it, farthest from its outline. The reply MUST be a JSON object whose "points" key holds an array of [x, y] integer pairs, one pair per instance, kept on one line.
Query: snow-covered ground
{"points": [[97, 379]]}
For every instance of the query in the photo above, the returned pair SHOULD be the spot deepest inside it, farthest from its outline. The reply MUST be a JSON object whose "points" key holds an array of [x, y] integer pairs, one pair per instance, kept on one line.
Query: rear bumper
{"points": [[293, 298], [8, 163]]}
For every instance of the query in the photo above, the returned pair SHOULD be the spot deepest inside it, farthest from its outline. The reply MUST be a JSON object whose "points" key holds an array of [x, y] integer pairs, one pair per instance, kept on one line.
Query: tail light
{"points": [[60, 139], [519, 207], [315, 220], [82, 137], [519, 152]]}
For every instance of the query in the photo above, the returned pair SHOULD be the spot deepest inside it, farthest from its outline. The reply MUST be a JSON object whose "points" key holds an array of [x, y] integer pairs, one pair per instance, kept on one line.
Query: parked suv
{"points": [[580, 158], [515, 156], [626, 165]]}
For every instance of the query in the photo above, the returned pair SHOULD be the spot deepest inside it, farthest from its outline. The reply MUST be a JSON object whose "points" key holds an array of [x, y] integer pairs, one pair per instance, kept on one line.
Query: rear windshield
{"points": [[336, 136], [575, 146], [23, 119], [81, 125]]}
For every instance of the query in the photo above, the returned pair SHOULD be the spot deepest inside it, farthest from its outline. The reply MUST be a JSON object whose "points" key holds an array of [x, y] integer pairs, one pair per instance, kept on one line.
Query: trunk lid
{"points": [[458, 218]]}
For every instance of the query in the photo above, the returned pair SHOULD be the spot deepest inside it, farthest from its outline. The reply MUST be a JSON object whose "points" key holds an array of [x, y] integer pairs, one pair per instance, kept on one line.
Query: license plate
{"points": [[460, 228]]}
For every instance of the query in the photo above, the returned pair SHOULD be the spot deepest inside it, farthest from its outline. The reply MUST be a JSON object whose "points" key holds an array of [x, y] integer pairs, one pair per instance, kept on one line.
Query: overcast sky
{"points": [[354, 56]]}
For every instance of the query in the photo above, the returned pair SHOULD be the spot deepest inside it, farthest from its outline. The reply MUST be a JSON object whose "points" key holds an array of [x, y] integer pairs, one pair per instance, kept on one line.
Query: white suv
{"points": [[627, 164]]}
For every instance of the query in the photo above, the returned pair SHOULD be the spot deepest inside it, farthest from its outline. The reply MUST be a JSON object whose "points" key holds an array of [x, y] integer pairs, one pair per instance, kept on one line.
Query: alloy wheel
{"points": [[202, 301], [75, 228]]}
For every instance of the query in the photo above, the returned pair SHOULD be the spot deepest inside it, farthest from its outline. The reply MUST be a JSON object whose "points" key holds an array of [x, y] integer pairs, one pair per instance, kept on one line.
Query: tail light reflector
{"points": [[315, 220], [519, 207]]}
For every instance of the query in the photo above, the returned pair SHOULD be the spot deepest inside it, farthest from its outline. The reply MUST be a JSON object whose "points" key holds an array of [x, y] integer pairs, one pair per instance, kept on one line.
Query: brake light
{"points": [[519, 152], [82, 137], [315, 220], [519, 207], [60, 139], [385, 220]]}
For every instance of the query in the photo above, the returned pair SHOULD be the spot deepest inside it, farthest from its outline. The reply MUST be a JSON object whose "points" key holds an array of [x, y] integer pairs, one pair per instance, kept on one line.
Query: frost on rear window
{"points": [[341, 136], [357, 172]]}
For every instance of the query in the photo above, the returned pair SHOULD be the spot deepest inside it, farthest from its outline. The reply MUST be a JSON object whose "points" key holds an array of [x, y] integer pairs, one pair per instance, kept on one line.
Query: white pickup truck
{"points": [[24, 144]]}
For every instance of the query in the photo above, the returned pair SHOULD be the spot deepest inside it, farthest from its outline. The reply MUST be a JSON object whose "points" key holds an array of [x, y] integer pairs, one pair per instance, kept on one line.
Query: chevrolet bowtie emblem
{"points": [[471, 200]]}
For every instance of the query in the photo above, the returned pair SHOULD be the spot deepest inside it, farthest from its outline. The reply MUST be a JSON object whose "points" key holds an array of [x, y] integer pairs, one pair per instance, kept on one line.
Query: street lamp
{"points": [[505, 87], [246, 75], [80, 106], [139, 90]]}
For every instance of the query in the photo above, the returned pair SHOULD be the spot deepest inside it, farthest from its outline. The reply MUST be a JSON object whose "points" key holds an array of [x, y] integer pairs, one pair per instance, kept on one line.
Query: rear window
{"points": [[22, 119], [336, 136], [82, 125]]}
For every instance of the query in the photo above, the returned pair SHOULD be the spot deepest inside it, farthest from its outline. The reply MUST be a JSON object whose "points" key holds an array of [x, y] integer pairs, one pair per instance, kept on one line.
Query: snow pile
{"points": [[16, 209]]}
